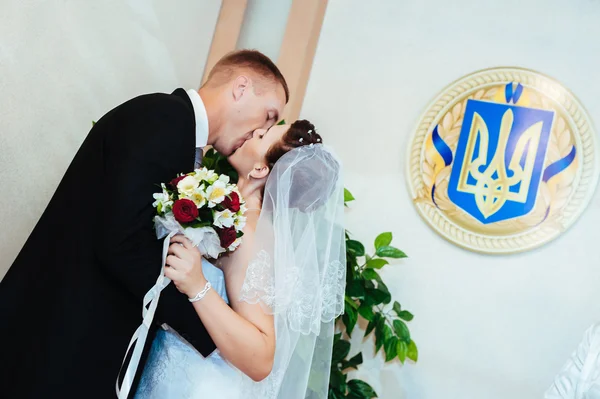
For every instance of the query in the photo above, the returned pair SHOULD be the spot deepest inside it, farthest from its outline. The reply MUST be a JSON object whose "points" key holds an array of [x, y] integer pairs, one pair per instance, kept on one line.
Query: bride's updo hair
{"points": [[300, 133], [313, 177]]}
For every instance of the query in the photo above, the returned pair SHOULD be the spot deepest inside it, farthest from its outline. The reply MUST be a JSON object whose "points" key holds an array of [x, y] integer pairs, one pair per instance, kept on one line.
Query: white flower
{"points": [[243, 209], [162, 200], [235, 244], [187, 186], [239, 223], [216, 193], [199, 197], [223, 219], [224, 179], [201, 174], [211, 176]]}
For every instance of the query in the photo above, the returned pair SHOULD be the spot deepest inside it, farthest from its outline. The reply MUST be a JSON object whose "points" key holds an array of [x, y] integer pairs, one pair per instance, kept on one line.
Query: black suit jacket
{"points": [[72, 299]]}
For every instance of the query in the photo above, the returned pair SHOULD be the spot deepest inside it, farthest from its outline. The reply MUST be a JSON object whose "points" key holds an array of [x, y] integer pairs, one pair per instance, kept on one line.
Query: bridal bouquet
{"points": [[203, 206]]}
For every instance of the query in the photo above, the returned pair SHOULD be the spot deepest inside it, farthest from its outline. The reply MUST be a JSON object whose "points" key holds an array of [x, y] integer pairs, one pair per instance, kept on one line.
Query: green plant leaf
{"points": [[390, 347], [402, 350], [372, 324], [337, 337], [376, 296], [281, 122], [333, 394], [412, 352], [348, 197], [340, 351], [377, 263], [350, 301], [405, 315], [380, 334], [366, 311], [355, 289], [402, 330], [359, 389], [397, 308], [338, 379], [356, 247], [383, 240], [93, 123], [369, 274], [349, 318], [352, 363], [390, 252]]}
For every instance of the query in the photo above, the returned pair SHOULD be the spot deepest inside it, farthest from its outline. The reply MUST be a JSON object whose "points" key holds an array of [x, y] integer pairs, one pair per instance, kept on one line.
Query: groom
{"points": [[72, 299]]}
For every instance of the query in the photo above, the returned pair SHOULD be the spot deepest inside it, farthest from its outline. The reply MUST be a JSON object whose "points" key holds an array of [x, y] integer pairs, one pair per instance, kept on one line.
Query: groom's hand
{"points": [[184, 263]]}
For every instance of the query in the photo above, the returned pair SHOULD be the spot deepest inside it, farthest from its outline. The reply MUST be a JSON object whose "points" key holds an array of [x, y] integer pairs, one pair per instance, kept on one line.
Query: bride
{"points": [[269, 306]]}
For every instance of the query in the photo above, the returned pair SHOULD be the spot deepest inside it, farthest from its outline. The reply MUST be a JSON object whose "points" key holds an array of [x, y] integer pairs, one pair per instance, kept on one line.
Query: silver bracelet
{"points": [[202, 293]]}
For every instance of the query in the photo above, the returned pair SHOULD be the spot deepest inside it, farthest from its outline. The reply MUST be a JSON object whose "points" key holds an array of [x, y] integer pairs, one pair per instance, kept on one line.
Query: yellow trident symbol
{"points": [[491, 192]]}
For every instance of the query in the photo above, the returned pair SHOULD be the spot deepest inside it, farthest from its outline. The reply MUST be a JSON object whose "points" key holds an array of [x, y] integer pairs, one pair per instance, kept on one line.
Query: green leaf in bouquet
{"points": [[356, 247], [401, 330], [390, 252], [383, 240], [281, 122], [412, 352]]}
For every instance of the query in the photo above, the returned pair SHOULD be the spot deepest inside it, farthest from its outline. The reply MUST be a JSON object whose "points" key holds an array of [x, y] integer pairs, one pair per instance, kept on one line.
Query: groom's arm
{"points": [[147, 141]]}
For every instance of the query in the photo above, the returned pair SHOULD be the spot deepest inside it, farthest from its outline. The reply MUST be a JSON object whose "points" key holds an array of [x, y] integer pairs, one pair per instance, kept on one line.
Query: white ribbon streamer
{"points": [[141, 334]]}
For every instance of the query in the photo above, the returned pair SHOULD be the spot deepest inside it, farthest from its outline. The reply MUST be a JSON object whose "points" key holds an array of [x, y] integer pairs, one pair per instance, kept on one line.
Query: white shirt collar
{"points": [[201, 118]]}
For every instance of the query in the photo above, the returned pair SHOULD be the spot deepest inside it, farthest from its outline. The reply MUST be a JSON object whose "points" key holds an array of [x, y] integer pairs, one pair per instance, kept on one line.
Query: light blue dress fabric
{"points": [[175, 369]]}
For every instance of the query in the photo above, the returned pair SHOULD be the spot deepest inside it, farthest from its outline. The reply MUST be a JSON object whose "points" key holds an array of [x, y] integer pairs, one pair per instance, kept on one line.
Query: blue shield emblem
{"points": [[499, 160]]}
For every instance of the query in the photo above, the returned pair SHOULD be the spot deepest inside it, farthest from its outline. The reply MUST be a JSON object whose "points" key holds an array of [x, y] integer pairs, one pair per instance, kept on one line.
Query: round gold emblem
{"points": [[503, 160]]}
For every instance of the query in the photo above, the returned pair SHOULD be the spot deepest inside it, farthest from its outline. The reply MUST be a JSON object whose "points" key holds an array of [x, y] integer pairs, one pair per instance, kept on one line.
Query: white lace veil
{"points": [[299, 272]]}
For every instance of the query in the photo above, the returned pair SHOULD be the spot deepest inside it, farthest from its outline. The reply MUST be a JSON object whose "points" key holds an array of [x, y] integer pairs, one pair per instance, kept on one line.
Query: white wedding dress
{"points": [[298, 275], [175, 369]]}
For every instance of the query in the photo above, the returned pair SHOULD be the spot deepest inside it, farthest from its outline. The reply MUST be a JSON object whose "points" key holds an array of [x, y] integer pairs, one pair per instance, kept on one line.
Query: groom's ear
{"points": [[260, 171], [240, 85]]}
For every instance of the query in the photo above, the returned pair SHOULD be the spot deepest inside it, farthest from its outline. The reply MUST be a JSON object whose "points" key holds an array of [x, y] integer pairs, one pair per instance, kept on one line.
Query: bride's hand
{"points": [[185, 266]]}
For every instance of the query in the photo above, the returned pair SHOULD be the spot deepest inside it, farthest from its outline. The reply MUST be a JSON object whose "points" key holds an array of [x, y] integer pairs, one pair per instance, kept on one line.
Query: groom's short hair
{"points": [[252, 60]]}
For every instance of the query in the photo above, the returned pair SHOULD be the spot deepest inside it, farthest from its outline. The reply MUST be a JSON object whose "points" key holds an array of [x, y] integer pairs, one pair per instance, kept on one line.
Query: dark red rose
{"points": [[176, 180], [232, 202], [227, 236], [185, 211]]}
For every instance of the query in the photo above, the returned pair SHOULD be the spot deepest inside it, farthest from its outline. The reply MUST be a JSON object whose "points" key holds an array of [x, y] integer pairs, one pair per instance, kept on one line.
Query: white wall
{"points": [[264, 26], [487, 327], [64, 64]]}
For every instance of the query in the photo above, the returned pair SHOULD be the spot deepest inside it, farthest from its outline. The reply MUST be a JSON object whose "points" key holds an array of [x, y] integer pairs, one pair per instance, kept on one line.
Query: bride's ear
{"points": [[260, 171]]}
